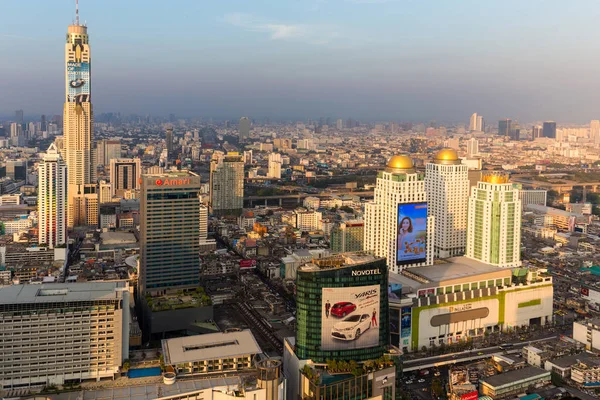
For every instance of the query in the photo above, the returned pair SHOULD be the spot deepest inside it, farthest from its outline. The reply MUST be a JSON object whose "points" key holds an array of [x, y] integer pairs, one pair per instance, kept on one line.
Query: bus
{"points": [[505, 346]]}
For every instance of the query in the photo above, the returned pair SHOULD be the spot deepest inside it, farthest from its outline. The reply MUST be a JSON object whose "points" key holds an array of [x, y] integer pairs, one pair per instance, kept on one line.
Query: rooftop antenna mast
{"points": [[76, 12]]}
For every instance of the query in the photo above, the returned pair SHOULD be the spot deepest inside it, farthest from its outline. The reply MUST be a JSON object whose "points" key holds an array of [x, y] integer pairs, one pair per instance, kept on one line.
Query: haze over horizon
{"points": [[366, 59]]}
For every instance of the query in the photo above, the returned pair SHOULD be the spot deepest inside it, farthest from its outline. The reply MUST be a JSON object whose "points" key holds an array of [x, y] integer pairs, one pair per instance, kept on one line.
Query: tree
{"points": [[161, 359], [424, 349], [126, 365], [437, 388]]}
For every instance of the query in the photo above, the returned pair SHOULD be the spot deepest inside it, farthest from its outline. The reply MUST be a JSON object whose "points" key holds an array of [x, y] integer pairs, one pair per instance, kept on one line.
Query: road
{"points": [[453, 358]]}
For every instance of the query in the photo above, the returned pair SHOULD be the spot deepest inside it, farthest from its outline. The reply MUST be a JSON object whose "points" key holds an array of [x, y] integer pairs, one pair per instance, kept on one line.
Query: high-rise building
{"points": [[125, 174], [504, 127], [169, 229], [549, 129], [19, 117], [108, 149], [447, 187], [397, 226], [78, 120], [274, 166], [494, 222], [595, 132], [169, 143], [348, 236], [339, 124], [203, 222], [43, 125], [105, 190], [480, 124], [52, 199], [244, 129], [56, 333], [536, 132], [472, 148], [473, 122], [227, 184]]}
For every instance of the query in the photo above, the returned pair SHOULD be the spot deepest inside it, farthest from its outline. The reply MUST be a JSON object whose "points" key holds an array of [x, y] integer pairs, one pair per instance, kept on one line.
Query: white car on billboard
{"points": [[351, 327]]}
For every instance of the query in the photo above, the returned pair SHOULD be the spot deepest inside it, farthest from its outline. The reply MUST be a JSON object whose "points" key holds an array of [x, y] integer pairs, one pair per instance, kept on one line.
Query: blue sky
{"points": [[368, 59]]}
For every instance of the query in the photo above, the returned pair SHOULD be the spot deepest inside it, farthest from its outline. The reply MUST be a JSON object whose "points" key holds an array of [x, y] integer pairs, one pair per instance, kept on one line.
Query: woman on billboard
{"points": [[405, 234]]}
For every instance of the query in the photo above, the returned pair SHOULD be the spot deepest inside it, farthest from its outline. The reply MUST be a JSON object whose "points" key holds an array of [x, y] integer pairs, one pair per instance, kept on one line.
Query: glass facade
{"points": [[310, 283]]}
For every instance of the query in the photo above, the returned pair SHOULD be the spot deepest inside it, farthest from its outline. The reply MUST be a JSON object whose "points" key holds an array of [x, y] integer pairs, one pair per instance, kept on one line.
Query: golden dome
{"points": [[446, 155], [400, 162], [495, 178]]}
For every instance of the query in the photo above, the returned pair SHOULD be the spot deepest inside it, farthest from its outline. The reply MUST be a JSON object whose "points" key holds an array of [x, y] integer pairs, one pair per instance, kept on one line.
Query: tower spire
{"points": [[76, 12]]}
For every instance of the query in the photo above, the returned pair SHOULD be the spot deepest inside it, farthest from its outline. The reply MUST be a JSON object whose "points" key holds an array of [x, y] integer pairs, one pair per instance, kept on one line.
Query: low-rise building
{"points": [[510, 384], [588, 333], [586, 372]]}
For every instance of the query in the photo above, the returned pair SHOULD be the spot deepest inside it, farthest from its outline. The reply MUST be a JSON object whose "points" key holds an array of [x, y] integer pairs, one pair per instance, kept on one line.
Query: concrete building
{"points": [[54, 333], [586, 372], [399, 186], [227, 184], [307, 221], [104, 192], [549, 129], [244, 129], [494, 222], [348, 237], [108, 149], [78, 124], [227, 352], [510, 384], [595, 132], [169, 143], [169, 227], [472, 148], [52, 199], [125, 174], [588, 333], [447, 187], [531, 196], [274, 166]]}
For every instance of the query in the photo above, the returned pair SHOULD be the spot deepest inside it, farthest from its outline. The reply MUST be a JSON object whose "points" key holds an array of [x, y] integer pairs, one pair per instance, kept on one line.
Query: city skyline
{"points": [[313, 58]]}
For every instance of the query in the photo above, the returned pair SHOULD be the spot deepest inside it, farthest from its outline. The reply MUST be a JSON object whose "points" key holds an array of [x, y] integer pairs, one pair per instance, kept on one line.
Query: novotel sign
{"points": [[173, 181], [366, 272]]}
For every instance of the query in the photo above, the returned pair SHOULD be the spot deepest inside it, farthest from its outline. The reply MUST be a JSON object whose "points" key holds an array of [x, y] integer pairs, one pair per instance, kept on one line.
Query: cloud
{"points": [[314, 34]]}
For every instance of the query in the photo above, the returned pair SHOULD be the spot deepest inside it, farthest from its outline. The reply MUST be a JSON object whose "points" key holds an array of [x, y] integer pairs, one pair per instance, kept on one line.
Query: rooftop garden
{"points": [[179, 300]]}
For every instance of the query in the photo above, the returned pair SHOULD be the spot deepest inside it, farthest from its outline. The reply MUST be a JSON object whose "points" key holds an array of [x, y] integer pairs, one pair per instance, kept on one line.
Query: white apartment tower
{"points": [[595, 132], [78, 124], [398, 184], [447, 187], [473, 122], [472, 148], [52, 199], [494, 222], [275, 166]]}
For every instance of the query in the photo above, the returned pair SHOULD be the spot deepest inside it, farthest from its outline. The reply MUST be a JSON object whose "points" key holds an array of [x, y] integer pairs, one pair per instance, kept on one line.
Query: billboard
{"points": [[474, 395], [405, 321], [78, 81], [350, 318], [412, 233], [394, 291]]}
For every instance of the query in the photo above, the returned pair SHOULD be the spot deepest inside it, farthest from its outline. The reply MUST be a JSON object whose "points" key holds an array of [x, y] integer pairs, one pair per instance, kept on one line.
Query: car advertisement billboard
{"points": [[412, 233], [350, 318], [78, 76], [474, 395]]}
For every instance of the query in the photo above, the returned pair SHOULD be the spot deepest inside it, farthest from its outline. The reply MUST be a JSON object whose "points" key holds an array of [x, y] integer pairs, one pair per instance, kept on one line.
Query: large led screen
{"points": [[412, 233], [350, 318], [78, 75]]}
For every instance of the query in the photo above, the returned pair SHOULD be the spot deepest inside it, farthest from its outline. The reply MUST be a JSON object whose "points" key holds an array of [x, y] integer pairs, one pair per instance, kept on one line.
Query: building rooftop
{"points": [[457, 268], [570, 360], [109, 238], [59, 292], [210, 346], [517, 375]]}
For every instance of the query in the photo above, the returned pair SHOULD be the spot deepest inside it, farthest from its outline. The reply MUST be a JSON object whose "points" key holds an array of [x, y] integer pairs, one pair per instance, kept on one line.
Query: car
{"points": [[480, 353], [436, 373], [421, 380], [351, 327], [409, 382], [342, 309]]}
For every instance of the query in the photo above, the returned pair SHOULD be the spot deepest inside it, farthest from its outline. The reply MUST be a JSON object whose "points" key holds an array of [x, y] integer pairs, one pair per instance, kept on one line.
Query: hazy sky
{"points": [[368, 59]]}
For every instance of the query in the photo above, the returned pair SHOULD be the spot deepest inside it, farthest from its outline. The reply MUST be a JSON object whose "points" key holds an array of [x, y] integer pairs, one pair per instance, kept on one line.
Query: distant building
{"points": [[169, 143], [595, 132], [244, 129], [504, 126], [549, 129], [125, 174], [60, 333], [227, 184], [348, 237], [52, 199], [308, 220], [107, 150], [531, 196], [472, 148], [494, 222], [274, 166], [588, 333]]}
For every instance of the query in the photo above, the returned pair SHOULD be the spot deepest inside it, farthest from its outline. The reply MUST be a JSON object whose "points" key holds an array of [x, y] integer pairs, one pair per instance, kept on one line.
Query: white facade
{"points": [[528, 197], [308, 220], [473, 122], [595, 132], [472, 148], [57, 332], [399, 183], [588, 333], [19, 224], [105, 191], [494, 223], [275, 166], [203, 222], [447, 187], [52, 199], [312, 202]]}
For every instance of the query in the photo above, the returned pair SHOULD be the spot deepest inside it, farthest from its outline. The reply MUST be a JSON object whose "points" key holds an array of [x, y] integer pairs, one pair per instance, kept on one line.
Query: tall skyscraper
{"points": [[504, 127], [43, 125], [494, 222], [595, 132], [244, 129], [19, 116], [274, 166], [227, 184], [169, 143], [125, 174], [400, 200], [52, 199], [473, 122], [447, 187], [480, 126], [78, 121], [107, 149], [169, 229], [472, 148], [549, 129], [536, 132]]}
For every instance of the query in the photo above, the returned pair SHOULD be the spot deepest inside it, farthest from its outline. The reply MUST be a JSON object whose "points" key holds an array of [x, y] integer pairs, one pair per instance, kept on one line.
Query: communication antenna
{"points": [[76, 12]]}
